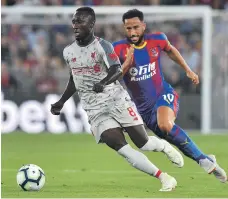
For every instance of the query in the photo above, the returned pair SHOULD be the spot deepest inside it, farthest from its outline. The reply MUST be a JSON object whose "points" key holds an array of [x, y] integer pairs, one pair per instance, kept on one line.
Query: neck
{"points": [[141, 43], [84, 42]]}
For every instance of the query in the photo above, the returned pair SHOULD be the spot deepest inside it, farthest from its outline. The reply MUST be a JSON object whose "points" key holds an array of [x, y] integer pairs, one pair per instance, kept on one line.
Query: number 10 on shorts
{"points": [[168, 98]]}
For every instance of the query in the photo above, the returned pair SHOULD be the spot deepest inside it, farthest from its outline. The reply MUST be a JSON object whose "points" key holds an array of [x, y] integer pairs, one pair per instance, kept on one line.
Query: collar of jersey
{"points": [[142, 46]]}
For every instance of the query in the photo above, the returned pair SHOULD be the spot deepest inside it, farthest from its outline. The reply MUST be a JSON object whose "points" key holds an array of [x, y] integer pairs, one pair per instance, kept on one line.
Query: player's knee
{"points": [[165, 126], [146, 146], [113, 138]]}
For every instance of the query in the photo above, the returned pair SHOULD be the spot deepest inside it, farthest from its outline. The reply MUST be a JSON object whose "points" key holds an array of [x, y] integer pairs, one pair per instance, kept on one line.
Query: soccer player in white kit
{"points": [[95, 69]]}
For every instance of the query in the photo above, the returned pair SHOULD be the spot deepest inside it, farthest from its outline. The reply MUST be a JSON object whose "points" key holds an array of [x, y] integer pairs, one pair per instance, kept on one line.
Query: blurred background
{"points": [[32, 65]]}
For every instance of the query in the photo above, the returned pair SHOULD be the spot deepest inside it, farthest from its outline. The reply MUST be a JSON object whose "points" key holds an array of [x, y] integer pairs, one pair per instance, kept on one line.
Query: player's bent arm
{"points": [[129, 58], [125, 67], [114, 73], [112, 62], [69, 91], [70, 88], [175, 55]]}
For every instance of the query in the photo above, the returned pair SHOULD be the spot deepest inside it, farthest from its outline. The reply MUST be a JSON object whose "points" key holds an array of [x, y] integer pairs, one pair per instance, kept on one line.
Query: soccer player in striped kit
{"points": [[155, 99]]}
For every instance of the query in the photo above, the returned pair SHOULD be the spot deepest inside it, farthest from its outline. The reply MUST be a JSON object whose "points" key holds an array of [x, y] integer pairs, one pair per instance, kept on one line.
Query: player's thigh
{"points": [[126, 114], [114, 138], [138, 135], [150, 119], [100, 122], [167, 109], [129, 118], [165, 114]]}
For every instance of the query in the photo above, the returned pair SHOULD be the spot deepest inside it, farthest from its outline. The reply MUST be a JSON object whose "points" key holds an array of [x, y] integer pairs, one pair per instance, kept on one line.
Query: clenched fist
{"points": [[98, 87], [194, 77], [56, 108]]}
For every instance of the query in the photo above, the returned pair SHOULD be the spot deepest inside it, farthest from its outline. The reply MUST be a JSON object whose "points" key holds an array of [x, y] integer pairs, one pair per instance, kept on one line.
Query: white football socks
{"points": [[139, 160], [153, 144]]}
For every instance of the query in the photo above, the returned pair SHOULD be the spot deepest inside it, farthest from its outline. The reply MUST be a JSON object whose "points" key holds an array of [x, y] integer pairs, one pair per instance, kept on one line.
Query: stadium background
{"points": [[33, 75], [33, 67]]}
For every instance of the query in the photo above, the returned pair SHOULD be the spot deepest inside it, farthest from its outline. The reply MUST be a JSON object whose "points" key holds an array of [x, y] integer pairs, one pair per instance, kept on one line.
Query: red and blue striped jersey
{"points": [[144, 79]]}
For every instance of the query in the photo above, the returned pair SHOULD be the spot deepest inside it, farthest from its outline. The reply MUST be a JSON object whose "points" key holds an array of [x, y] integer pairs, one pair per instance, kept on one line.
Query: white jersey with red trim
{"points": [[89, 65]]}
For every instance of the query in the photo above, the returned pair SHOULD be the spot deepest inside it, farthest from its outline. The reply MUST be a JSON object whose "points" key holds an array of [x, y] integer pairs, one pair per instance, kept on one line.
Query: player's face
{"points": [[82, 25], [134, 29]]}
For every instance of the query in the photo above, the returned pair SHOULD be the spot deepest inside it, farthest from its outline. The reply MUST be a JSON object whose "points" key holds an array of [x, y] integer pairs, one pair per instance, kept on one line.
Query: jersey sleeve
{"points": [[109, 55], [118, 48], [66, 59], [164, 42], [65, 56]]}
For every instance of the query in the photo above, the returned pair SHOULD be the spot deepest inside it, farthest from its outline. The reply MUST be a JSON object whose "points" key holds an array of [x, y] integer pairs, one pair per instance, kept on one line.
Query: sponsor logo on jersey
{"points": [[142, 72], [87, 70]]}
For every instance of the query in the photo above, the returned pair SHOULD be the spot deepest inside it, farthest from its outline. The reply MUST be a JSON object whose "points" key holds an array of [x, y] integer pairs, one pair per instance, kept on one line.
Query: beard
{"points": [[138, 42]]}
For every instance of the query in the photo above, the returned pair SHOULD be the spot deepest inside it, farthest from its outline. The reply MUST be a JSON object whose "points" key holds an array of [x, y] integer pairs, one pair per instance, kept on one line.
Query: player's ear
{"points": [[144, 26], [92, 24]]}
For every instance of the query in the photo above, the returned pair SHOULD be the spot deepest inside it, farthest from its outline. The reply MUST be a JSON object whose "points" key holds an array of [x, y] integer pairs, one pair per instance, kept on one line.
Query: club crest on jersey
{"points": [[153, 52], [142, 72], [93, 55], [73, 59]]}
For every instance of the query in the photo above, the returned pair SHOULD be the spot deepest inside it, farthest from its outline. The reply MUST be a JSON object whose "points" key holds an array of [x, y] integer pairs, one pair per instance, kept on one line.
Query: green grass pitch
{"points": [[75, 166]]}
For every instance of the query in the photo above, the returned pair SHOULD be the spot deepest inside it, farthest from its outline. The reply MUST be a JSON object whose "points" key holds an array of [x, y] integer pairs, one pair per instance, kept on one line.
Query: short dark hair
{"points": [[88, 10], [133, 13]]}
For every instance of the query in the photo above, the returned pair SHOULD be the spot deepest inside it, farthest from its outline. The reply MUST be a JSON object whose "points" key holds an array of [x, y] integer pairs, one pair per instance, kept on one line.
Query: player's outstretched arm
{"points": [[175, 55], [114, 73], [69, 91]]}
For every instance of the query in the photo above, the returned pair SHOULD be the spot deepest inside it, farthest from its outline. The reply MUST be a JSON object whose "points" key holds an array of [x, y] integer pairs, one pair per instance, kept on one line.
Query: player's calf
{"points": [[144, 142], [140, 138], [153, 144], [139, 161], [115, 139], [175, 135], [156, 144]]}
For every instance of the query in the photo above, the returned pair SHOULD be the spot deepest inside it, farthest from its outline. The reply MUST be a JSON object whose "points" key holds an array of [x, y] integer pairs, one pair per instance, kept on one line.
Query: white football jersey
{"points": [[89, 65]]}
